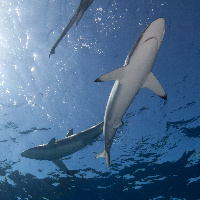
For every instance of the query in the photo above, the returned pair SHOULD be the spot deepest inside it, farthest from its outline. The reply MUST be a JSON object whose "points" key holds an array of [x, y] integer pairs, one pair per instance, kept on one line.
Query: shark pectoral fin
{"points": [[70, 133], [61, 165], [101, 154], [153, 84], [114, 75]]}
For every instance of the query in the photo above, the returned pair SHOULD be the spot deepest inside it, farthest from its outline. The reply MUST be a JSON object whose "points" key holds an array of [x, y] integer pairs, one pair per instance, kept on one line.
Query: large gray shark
{"points": [[135, 74], [56, 149], [83, 6]]}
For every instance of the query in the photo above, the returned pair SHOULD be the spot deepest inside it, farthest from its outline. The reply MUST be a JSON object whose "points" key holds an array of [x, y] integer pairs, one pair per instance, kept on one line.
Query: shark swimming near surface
{"points": [[83, 6], [55, 150], [135, 74]]}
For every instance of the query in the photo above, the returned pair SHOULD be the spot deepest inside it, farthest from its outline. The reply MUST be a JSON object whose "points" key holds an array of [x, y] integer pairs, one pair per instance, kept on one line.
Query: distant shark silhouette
{"points": [[56, 149], [134, 75], [83, 6]]}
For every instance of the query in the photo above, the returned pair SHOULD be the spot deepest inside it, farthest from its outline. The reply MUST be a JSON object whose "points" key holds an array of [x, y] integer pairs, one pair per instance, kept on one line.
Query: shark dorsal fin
{"points": [[70, 133], [51, 142]]}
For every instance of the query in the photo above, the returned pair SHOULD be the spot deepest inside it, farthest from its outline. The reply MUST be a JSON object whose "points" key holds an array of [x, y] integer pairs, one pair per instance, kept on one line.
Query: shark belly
{"points": [[125, 89], [117, 107], [70, 148]]}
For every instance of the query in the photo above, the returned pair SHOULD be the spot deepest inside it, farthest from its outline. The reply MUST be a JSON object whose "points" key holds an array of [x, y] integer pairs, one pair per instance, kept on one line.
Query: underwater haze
{"points": [[42, 98]]}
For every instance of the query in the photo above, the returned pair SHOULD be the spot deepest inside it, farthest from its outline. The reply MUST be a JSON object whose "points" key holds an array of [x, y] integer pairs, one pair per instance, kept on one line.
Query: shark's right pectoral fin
{"points": [[113, 75], [61, 165], [153, 84]]}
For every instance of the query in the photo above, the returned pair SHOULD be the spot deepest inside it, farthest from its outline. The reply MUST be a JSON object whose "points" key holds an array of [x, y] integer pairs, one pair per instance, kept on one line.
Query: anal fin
{"points": [[101, 154]]}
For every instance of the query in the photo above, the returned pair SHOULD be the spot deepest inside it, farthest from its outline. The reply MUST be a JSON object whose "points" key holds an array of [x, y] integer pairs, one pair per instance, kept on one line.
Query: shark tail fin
{"points": [[113, 75], [154, 85]]}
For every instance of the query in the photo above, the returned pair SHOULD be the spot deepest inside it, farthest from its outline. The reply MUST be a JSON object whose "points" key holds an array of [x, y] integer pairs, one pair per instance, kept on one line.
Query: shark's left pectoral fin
{"points": [[153, 84], [61, 165]]}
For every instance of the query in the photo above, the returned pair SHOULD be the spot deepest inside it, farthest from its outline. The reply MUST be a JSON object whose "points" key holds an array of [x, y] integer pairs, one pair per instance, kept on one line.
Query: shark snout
{"points": [[159, 28], [24, 154], [27, 154], [155, 30]]}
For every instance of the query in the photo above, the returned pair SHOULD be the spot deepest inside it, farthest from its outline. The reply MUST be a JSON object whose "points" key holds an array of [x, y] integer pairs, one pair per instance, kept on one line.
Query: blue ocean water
{"points": [[42, 98]]}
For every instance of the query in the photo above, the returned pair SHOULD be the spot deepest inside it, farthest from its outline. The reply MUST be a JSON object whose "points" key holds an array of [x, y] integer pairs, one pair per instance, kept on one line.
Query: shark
{"points": [[83, 6], [136, 73], [55, 150]]}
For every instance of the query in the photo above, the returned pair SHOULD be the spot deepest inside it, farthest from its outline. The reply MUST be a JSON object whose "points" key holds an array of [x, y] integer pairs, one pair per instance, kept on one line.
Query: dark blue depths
{"points": [[175, 184]]}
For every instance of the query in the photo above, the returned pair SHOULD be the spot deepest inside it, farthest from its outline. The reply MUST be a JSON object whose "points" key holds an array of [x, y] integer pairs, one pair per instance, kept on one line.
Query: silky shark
{"points": [[83, 6], [56, 149], [135, 74]]}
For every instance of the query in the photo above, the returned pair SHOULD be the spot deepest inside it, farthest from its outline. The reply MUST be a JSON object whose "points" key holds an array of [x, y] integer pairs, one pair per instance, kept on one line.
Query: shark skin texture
{"points": [[55, 150], [135, 74], [83, 6]]}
